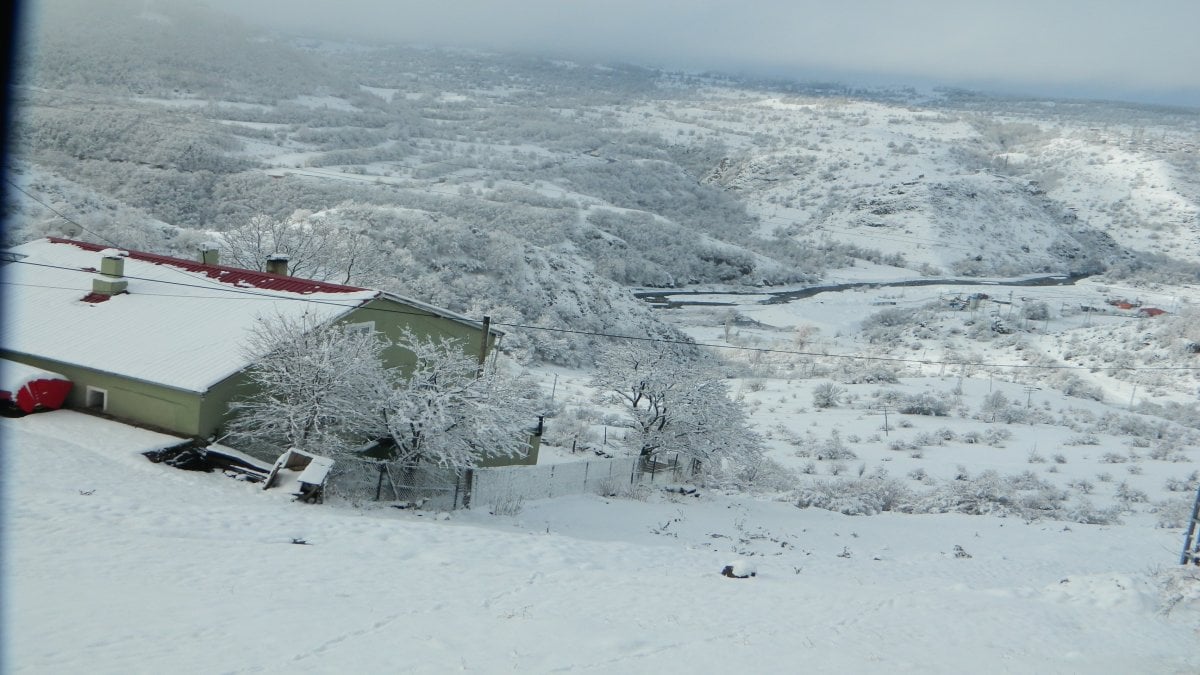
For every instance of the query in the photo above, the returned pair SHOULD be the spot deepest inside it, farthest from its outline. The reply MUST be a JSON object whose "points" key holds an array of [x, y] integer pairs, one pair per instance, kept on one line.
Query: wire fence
{"points": [[495, 488], [430, 487]]}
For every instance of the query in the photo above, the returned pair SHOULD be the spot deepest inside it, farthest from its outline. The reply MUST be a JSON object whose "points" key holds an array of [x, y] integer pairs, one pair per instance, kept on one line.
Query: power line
{"points": [[634, 338], [60, 213]]}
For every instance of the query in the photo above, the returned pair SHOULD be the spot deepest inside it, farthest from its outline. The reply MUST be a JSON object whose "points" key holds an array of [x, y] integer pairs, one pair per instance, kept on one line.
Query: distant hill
{"points": [[603, 176]]}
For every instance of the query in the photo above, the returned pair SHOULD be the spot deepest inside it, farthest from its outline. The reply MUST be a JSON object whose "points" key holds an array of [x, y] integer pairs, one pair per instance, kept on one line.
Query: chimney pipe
{"points": [[111, 279], [277, 263], [210, 253]]}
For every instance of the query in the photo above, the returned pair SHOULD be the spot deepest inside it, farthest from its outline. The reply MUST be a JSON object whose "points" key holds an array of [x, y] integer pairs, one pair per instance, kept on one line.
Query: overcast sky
{"points": [[1132, 49]]}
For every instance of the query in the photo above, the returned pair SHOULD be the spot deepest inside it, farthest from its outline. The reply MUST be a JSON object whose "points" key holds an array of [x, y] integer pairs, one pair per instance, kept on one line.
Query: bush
{"points": [[1174, 513], [1084, 486], [1036, 311], [833, 448], [996, 437], [1083, 511], [1190, 483], [827, 395], [756, 472], [924, 404], [858, 497], [872, 374], [1128, 495]]}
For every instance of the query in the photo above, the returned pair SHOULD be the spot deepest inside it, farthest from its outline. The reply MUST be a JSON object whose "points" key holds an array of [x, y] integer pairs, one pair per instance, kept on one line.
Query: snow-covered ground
{"points": [[117, 565]]}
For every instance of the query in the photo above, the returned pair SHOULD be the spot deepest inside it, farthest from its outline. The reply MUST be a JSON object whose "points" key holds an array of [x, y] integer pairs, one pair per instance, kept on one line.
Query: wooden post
{"points": [[1191, 552], [468, 479]]}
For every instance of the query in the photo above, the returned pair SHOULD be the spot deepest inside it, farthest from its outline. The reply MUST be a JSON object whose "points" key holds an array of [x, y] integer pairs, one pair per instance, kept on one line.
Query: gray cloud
{"points": [[1080, 47]]}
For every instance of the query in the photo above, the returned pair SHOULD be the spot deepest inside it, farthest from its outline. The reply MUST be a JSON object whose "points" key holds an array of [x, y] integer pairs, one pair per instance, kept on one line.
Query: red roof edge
{"points": [[93, 298], [229, 275]]}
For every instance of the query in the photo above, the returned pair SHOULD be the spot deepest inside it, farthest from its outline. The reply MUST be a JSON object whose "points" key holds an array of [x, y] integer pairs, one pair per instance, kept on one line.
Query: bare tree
{"points": [[316, 247], [675, 401]]}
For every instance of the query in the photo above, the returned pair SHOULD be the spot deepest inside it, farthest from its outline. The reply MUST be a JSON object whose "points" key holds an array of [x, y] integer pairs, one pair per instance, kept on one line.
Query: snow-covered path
{"points": [[116, 565]]}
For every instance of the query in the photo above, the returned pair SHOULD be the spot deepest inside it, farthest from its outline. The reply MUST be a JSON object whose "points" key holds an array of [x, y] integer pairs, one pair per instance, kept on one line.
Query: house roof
{"points": [[181, 324]]}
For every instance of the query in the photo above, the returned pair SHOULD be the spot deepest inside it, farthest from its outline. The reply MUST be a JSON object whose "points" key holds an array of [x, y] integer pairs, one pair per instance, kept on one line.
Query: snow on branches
{"points": [[315, 385], [444, 412], [324, 388], [675, 401]]}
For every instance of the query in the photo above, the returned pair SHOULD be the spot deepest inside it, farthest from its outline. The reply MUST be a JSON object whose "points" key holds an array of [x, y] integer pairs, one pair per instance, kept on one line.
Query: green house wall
{"points": [[143, 403], [391, 318]]}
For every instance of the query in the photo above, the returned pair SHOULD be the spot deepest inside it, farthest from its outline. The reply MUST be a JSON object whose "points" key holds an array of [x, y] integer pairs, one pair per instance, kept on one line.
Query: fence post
{"points": [[379, 485], [586, 465], [469, 480]]}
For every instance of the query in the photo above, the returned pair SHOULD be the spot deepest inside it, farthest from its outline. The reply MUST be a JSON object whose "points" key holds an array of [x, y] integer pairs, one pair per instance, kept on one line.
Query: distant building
{"points": [[162, 342]]}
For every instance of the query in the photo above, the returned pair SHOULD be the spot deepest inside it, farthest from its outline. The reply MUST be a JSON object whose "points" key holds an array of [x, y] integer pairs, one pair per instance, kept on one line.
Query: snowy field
{"points": [[117, 565]]}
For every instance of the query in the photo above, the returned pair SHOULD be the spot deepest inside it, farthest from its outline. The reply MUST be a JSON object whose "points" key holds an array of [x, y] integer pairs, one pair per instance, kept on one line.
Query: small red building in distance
{"points": [[1151, 311], [30, 388]]}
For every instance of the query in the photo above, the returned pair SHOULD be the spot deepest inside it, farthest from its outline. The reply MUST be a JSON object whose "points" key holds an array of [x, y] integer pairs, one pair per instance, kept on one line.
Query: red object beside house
{"points": [[31, 389], [1151, 311]]}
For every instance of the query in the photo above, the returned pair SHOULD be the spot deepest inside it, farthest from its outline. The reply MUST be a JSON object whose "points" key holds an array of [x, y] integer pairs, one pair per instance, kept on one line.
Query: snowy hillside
{"points": [[120, 565], [643, 177]]}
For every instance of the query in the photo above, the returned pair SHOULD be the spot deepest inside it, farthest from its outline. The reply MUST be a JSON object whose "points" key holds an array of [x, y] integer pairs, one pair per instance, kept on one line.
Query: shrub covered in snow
{"points": [[925, 403], [1173, 513], [827, 395], [856, 497]]}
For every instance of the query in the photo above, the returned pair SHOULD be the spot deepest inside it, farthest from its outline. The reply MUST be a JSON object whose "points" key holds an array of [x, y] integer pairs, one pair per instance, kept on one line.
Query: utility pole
{"points": [[1029, 389]]}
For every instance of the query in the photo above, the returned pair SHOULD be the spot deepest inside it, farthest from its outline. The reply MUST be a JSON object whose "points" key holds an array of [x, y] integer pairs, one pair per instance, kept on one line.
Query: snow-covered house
{"points": [[161, 341]]}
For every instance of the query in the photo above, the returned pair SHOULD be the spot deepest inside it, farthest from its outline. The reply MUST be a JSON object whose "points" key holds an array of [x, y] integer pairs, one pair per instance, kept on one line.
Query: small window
{"points": [[97, 399], [364, 328]]}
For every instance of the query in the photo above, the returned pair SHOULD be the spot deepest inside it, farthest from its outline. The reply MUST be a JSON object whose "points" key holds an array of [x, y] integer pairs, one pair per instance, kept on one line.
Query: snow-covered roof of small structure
{"points": [[14, 376], [181, 324]]}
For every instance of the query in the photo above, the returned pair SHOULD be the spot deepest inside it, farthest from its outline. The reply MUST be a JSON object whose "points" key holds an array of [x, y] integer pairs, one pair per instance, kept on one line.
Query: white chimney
{"points": [[111, 279]]}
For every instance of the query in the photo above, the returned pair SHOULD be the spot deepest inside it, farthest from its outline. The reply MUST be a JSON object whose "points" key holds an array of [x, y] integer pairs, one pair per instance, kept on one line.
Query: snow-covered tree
{"points": [[674, 401], [314, 385], [324, 388], [445, 412], [993, 404]]}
